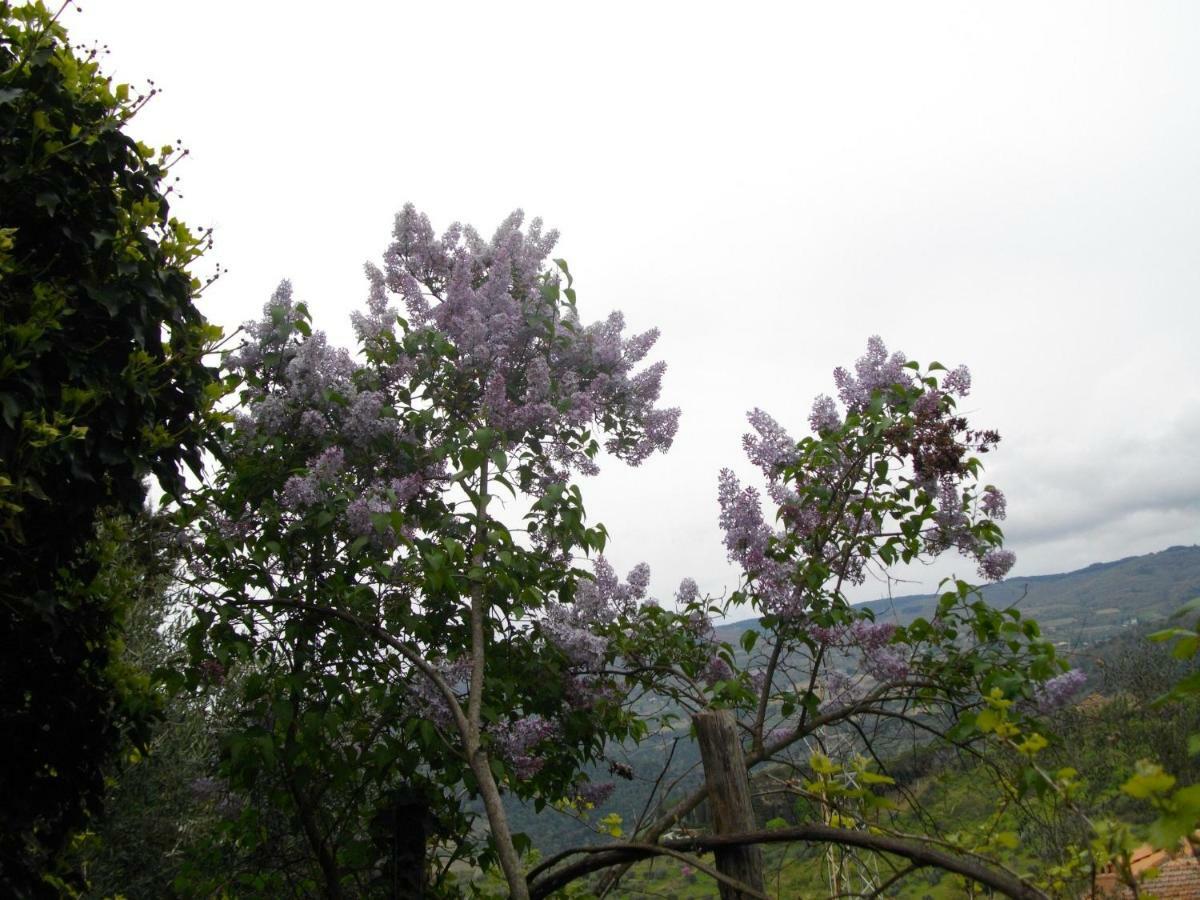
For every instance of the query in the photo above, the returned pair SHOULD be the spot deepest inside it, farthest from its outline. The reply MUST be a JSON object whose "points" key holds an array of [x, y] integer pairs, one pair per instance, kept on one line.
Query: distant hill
{"points": [[1079, 607]]}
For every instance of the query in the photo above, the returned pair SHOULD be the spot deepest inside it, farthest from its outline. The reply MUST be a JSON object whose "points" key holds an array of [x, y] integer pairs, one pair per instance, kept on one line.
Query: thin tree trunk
{"points": [[326, 858], [501, 835], [510, 862]]}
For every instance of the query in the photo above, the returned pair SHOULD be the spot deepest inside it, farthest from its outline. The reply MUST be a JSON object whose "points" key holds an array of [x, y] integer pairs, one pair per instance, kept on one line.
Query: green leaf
{"points": [[1166, 634], [1187, 800], [875, 778], [1149, 781], [1007, 839], [1187, 647], [48, 200], [1168, 830], [1191, 606], [987, 720], [1187, 685], [10, 409]]}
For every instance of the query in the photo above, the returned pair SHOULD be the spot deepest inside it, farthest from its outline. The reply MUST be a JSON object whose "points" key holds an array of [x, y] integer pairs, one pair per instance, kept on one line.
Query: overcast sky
{"points": [[1011, 186]]}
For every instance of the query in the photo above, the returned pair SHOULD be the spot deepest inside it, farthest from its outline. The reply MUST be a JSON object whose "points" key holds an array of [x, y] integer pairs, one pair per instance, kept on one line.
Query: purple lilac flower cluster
{"points": [[584, 691], [957, 381], [824, 416], [995, 564], [310, 489], [1055, 693], [358, 446], [876, 370], [935, 443], [517, 740], [861, 633], [881, 659], [953, 524], [582, 646], [770, 448], [993, 504], [688, 592], [953, 529], [541, 369], [747, 542], [590, 795], [838, 690], [716, 670], [429, 703], [573, 627], [700, 626]]}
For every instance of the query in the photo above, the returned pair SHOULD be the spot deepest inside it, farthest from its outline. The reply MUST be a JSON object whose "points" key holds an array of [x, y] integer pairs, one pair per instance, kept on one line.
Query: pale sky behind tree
{"points": [[1012, 186]]}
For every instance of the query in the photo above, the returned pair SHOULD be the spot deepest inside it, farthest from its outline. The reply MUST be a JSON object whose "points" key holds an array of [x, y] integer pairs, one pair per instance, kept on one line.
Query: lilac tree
{"points": [[404, 641], [388, 562], [823, 692]]}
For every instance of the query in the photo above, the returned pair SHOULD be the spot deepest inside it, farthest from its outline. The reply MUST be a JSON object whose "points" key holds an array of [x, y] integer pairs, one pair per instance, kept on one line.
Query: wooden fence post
{"points": [[729, 799]]}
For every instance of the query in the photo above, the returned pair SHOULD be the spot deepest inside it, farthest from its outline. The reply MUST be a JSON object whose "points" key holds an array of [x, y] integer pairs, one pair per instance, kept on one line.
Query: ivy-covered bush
{"points": [[102, 385]]}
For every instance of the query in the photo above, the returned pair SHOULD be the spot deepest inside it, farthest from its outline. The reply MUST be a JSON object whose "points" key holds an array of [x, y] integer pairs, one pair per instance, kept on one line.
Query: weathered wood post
{"points": [[729, 799], [403, 826]]}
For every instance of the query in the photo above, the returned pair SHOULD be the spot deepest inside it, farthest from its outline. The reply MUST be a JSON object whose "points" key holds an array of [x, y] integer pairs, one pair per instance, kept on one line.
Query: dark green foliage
{"points": [[156, 812], [102, 384]]}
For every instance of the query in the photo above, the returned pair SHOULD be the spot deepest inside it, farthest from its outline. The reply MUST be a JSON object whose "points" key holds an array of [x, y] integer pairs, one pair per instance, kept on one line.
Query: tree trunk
{"points": [[729, 799], [510, 862]]}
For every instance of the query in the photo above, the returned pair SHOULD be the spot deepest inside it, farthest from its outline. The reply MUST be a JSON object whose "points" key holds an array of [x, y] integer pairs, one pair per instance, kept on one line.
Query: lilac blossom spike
{"points": [[875, 370], [517, 741], [771, 448], [993, 503], [716, 670], [747, 541], [886, 664], [995, 564], [429, 702], [687, 593], [839, 691], [746, 534], [638, 580], [957, 381], [380, 318], [1055, 693], [824, 416], [540, 368]]}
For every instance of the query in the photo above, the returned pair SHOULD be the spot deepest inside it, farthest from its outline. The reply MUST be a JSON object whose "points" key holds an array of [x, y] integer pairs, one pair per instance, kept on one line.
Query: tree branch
{"points": [[916, 852]]}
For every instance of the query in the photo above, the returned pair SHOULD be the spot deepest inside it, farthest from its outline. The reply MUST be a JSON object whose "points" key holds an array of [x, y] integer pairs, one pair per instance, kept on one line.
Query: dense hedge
{"points": [[102, 384]]}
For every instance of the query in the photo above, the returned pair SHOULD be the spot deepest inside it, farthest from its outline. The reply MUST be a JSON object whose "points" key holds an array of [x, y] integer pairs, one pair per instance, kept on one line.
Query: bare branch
{"points": [[920, 854]]}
